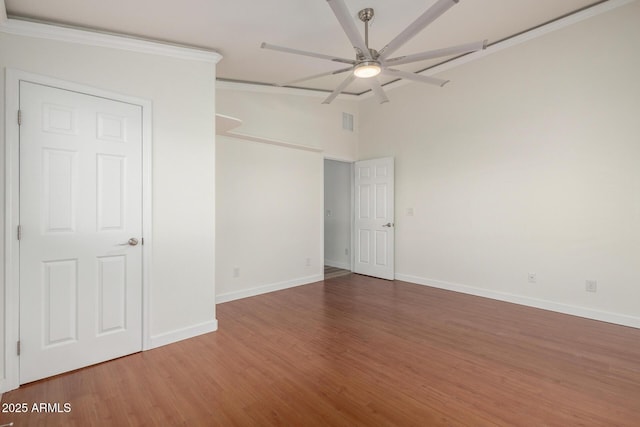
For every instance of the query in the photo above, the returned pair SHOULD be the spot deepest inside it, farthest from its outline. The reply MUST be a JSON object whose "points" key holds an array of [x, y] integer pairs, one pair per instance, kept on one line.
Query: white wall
{"points": [[337, 214], [526, 162], [269, 218], [269, 198], [182, 93], [292, 116]]}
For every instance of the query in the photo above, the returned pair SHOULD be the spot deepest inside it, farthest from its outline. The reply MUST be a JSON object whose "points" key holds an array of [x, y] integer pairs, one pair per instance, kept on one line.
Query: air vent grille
{"points": [[347, 122]]}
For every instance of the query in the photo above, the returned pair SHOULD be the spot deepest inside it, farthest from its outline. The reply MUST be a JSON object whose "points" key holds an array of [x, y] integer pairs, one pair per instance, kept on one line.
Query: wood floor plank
{"points": [[357, 351]]}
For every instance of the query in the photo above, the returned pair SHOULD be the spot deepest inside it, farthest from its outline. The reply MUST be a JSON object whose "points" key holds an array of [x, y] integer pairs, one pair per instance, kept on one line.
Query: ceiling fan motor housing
{"points": [[374, 55]]}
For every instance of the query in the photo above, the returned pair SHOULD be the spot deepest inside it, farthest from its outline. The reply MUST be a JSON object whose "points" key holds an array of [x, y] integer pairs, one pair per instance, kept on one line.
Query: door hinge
{"points": [[19, 117], [18, 348], [19, 232], [142, 241]]}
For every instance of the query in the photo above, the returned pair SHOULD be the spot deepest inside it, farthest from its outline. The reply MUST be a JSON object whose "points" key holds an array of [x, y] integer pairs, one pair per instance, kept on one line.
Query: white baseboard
{"points": [[604, 316], [337, 264], [182, 334], [245, 293]]}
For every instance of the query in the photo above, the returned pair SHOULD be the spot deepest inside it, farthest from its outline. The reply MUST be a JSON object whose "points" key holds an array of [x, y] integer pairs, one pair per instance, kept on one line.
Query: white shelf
{"points": [[225, 125]]}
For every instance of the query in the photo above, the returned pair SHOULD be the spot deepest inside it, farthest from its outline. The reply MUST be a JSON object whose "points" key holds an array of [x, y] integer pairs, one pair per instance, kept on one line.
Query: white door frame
{"points": [[12, 213]]}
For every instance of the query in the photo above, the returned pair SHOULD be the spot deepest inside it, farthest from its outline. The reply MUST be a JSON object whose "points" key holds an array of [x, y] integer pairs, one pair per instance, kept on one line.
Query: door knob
{"points": [[387, 225], [131, 242]]}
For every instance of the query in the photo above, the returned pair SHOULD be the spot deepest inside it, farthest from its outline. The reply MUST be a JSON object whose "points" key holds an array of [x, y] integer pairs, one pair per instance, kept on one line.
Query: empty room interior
{"points": [[320, 213]]}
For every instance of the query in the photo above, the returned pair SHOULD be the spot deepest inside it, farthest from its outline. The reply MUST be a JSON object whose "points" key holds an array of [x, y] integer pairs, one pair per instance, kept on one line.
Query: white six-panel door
{"points": [[80, 206], [374, 218]]}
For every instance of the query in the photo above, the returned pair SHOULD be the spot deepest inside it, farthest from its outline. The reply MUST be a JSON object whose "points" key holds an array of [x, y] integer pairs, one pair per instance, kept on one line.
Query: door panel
{"points": [[80, 203], [374, 218]]}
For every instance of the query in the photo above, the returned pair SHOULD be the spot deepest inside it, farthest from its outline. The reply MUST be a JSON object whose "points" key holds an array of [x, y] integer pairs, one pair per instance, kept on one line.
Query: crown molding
{"points": [[94, 38]]}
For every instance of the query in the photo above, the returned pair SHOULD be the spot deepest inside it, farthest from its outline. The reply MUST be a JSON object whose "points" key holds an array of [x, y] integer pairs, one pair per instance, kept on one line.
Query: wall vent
{"points": [[347, 122]]}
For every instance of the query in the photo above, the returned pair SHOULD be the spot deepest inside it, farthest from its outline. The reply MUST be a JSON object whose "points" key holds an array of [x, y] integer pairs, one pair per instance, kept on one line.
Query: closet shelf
{"points": [[226, 124]]}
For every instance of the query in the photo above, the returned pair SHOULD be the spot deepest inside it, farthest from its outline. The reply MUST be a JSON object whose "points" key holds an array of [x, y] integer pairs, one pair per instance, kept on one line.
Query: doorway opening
{"points": [[338, 199]]}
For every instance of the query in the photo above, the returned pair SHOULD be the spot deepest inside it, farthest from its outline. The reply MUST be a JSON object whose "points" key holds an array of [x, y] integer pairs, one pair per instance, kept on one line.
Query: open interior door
{"points": [[374, 230]]}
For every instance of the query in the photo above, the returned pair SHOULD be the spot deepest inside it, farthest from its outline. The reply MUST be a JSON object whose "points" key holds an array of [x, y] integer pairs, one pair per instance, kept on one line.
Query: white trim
{"points": [[147, 217], [11, 249], [258, 290], [338, 159], [337, 264], [3, 12], [12, 203], [589, 313], [183, 334], [114, 41]]}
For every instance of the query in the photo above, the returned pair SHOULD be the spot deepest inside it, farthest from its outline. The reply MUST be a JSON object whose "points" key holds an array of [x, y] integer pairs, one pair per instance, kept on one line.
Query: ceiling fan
{"points": [[370, 62]]}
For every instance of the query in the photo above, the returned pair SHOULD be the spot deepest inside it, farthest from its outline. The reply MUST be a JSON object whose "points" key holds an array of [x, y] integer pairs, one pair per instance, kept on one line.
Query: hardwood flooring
{"points": [[357, 351], [333, 272]]}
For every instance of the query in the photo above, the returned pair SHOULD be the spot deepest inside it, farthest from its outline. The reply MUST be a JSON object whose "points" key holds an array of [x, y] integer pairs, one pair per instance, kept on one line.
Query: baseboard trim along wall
{"points": [[245, 293], [182, 334], [603, 316], [337, 264]]}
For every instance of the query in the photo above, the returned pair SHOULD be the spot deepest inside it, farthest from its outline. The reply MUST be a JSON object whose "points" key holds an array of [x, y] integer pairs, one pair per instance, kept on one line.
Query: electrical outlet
{"points": [[308, 262], [532, 277], [346, 251], [591, 285], [409, 211], [236, 271]]}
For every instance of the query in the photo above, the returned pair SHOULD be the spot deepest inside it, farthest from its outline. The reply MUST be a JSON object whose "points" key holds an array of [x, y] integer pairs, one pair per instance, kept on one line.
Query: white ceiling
{"points": [[237, 28]]}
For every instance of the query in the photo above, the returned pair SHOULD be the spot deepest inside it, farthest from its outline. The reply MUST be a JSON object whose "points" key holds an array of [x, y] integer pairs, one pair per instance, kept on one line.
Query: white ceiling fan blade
{"points": [[330, 73], [349, 26], [305, 53], [453, 50], [339, 89], [377, 89], [415, 77], [440, 7]]}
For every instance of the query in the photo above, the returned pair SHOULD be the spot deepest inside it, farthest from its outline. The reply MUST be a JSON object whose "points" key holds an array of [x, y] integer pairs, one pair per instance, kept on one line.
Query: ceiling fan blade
{"points": [[415, 77], [330, 73], [377, 89], [339, 89], [453, 50], [348, 25], [305, 53], [440, 7]]}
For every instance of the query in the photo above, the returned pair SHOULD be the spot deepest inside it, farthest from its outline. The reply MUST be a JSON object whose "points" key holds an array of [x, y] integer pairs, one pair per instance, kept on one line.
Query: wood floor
{"points": [[356, 351], [333, 272]]}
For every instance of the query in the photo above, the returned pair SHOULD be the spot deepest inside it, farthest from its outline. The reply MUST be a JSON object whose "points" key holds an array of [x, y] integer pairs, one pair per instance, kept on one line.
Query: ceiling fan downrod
{"points": [[365, 16], [365, 67]]}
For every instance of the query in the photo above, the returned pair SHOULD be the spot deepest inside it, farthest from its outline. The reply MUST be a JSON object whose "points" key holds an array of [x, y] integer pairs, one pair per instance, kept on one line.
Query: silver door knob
{"points": [[387, 225], [132, 241]]}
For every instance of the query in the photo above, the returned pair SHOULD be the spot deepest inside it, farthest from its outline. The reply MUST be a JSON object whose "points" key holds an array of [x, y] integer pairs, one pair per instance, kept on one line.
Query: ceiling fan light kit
{"points": [[370, 63], [367, 69]]}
